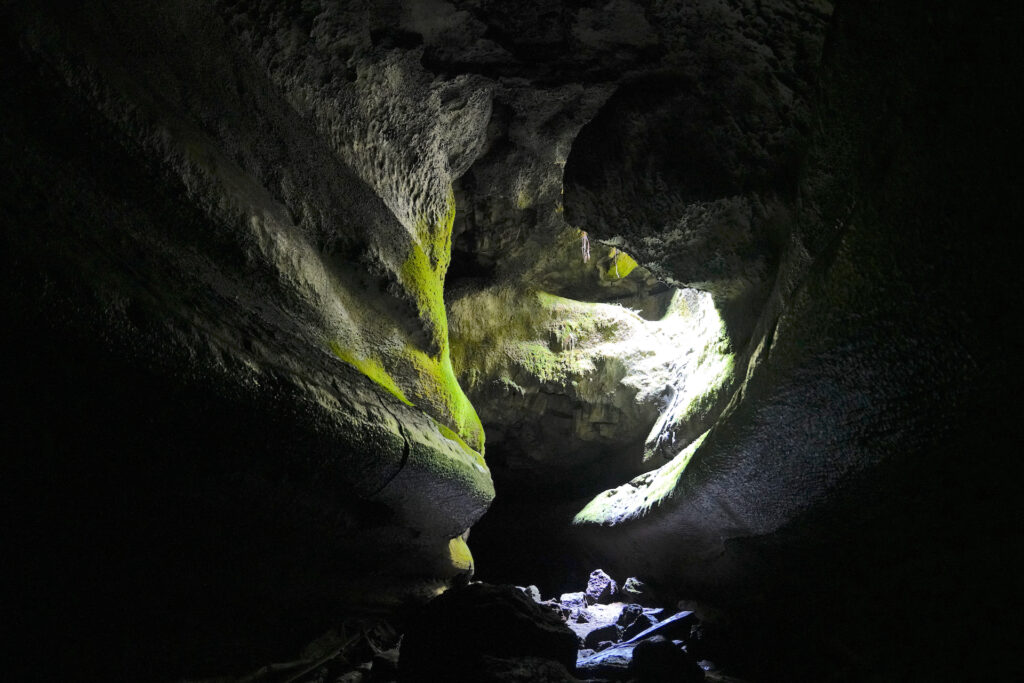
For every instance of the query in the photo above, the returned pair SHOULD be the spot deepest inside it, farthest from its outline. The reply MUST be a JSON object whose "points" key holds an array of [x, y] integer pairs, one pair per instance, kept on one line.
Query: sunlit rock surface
{"points": [[841, 462]]}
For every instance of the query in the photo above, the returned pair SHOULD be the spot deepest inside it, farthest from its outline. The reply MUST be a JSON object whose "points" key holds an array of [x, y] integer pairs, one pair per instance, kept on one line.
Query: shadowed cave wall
{"points": [[295, 299]]}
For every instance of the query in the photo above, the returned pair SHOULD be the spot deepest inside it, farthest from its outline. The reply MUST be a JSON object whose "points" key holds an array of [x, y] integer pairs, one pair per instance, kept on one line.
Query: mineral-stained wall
{"points": [[272, 269]]}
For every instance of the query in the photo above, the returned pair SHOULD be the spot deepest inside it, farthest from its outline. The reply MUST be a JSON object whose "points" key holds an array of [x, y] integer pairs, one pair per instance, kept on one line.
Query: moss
{"points": [[459, 555], [423, 271], [540, 361], [418, 376], [637, 497], [449, 434], [620, 265], [422, 274], [438, 388], [372, 368], [504, 333]]}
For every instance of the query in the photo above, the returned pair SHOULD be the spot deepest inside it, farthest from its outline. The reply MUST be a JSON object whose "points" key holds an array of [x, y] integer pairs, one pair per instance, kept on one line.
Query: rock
{"points": [[604, 645], [573, 601], [601, 588], [355, 676], [556, 607], [611, 632], [447, 639], [629, 614], [532, 591], [634, 591], [642, 623], [583, 617], [614, 661], [677, 625], [610, 663], [658, 660]]}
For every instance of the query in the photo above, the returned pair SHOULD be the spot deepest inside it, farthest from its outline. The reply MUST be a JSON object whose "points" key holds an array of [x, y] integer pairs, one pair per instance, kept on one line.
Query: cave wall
{"points": [[855, 493], [226, 344]]}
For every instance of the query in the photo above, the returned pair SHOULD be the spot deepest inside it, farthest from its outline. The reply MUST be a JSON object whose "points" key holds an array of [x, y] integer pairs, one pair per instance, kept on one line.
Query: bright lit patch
{"points": [[700, 370], [638, 496]]}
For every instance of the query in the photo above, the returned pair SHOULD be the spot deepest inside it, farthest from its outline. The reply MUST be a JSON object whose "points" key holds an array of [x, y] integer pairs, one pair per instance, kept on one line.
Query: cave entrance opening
{"points": [[580, 397]]}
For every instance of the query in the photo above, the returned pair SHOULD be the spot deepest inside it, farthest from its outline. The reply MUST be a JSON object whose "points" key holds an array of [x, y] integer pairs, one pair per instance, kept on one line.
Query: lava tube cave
{"points": [[472, 341]]}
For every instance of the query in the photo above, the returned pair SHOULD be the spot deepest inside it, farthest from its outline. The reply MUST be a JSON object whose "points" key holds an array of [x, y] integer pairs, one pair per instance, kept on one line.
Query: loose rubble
{"points": [[483, 633]]}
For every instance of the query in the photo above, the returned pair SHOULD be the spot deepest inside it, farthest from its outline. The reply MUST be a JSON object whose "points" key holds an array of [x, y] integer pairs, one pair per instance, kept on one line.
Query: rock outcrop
{"points": [[224, 275]]}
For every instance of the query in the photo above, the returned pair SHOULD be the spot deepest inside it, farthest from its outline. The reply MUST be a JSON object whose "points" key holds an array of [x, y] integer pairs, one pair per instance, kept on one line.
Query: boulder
{"points": [[641, 623], [659, 660], [676, 626], [610, 663], [450, 637], [635, 591], [532, 591], [611, 633], [629, 614], [601, 588], [573, 601]]}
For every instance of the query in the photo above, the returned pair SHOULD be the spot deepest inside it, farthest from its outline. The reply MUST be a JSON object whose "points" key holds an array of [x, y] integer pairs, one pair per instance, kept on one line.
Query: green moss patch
{"points": [[372, 368], [620, 265]]}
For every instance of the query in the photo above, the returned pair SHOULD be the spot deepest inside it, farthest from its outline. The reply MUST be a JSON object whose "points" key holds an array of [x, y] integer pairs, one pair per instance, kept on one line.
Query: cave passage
{"points": [[592, 396], [331, 326]]}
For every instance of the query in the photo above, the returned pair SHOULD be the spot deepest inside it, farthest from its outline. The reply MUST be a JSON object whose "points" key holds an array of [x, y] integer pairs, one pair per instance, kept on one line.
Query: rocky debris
{"points": [[601, 588], [629, 615], [599, 636], [642, 623], [609, 633], [484, 633], [573, 601], [615, 661], [461, 634]]}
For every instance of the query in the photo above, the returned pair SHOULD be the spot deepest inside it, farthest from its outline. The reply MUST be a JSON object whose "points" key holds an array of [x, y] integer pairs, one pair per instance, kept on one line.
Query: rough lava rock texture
{"points": [[601, 588], [860, 456], [270, 270], [223, 267]]}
